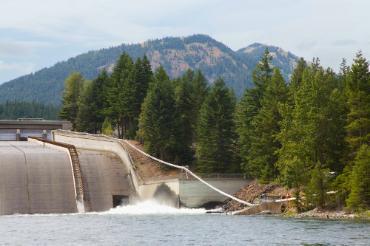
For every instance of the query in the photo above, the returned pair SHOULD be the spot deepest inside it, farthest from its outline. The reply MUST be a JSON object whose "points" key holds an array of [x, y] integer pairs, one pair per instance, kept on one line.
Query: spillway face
{"points": [[106, 179], [35, 179]]}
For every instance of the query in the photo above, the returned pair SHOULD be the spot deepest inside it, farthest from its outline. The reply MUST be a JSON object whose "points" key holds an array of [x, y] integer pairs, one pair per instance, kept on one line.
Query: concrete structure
{"points": [[86, 141], [35, 179], [15, 130], [107, 179], [188, 193], [40, 176]]}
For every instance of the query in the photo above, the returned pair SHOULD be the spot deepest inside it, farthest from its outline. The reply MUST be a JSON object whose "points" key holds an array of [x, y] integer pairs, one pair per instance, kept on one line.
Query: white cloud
{"points": [[57, 28]]}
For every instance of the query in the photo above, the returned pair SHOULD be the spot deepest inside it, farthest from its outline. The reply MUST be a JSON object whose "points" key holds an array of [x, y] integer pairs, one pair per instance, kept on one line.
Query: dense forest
{"points": [[15, 110], [311, 134]]}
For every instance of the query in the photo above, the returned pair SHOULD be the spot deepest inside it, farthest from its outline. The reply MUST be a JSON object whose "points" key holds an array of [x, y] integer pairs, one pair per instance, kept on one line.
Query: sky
{"points": [[38, 33]]}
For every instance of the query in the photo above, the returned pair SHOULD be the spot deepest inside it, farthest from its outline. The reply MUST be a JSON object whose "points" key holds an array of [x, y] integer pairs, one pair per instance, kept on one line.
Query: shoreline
{"points": [[329, 215]]}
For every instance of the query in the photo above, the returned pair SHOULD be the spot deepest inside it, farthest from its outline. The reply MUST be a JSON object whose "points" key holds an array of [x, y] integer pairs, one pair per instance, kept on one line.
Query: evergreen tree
{"points": [[122, 96], [266, 125], [358, 93], [143, 76], [185, 111], [248, 108], [72, 91], [199, 90], [318, 186], [313, 132], [357, 79], [215, 148], [92, 104], [262, 73], [297, 74], [359, 197], [158, 122], [86, 110]]}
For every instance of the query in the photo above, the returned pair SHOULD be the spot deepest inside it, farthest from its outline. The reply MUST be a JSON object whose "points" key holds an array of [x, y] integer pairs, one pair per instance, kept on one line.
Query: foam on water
{"points": [[80, 206], [152, 207], [149, 207]]}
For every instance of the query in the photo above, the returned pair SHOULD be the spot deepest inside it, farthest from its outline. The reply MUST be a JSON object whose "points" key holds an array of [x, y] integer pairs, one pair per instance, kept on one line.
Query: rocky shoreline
{"points": [[329, 215], [264, 195]]}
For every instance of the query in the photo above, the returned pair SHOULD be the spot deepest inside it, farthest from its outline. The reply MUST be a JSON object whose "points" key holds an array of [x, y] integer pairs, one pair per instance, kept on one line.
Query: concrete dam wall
{"points": [[107, 179], [176, 191], [34, 179], [38, 178], [42, 176]]}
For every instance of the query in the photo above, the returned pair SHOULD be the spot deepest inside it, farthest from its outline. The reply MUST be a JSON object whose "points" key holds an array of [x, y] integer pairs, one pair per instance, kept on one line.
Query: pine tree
{"points": [[85, 120], [92, 104], [72, 90], [313, 132], [185, 111], [297, 74], [262, 73], [248, 108], [143, 76], [158, 122], [100, 92], [318, 186], [199, 88], [215, 148], [359, 197], [266, 125], [122, 96], [358, 93]]}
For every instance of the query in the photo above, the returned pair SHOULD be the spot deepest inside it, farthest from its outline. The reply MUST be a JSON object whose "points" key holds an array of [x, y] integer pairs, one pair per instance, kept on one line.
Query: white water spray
{"points": [[152, 207], [80, 206]]}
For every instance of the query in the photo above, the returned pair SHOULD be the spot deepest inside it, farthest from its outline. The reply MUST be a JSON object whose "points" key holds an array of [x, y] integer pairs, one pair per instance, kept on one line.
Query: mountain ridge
{"points": [[175, 54]]}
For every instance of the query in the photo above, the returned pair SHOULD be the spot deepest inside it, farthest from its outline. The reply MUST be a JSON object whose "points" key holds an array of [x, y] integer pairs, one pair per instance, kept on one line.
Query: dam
{"points": [[73, 172], [35, 178]]}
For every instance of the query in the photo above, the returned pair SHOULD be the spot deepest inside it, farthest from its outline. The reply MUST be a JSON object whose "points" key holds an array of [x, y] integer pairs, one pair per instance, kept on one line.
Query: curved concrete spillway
{"points": [[35, 179], [41, 176], [105, 177]]}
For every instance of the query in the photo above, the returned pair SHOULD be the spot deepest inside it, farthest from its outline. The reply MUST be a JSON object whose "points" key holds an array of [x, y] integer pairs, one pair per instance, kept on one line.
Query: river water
{"points": [[152, 224]]}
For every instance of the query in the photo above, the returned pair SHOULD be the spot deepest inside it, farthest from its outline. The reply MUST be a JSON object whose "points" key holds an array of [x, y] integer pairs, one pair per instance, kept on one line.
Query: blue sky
{"points": [[38, 33]]}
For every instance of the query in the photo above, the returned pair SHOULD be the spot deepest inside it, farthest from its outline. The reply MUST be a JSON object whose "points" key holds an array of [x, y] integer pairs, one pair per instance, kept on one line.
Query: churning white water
{"points": [[80, 206], [152, 207]]}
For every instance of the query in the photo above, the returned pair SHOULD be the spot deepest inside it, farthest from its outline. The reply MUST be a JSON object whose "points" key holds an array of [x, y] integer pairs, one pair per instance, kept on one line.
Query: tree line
{"points": [[311, 133], [14, 110]]}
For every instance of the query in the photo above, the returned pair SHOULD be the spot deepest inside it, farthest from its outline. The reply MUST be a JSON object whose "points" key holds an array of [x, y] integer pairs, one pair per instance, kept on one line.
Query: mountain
{"points": [[176, 55]]}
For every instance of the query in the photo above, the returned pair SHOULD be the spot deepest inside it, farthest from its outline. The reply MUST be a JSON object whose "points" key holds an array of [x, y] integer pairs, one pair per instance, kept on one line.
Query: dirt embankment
{"points": [[147, 168], [256, 193]]}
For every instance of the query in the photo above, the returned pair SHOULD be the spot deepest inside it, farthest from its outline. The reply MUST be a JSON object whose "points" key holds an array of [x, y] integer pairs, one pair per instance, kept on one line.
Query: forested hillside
{"points": [[311, 135], [15, 110], [176, 55]]}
